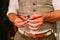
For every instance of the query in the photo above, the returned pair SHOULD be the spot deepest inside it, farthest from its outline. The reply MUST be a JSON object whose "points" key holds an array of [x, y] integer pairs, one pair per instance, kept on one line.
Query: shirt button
{"points": [[34, 4], [34, 10]]}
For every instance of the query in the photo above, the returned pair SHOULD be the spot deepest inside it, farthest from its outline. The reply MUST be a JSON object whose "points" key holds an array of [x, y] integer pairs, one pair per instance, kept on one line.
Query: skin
{"points": [[32, 23], [16, 20]]}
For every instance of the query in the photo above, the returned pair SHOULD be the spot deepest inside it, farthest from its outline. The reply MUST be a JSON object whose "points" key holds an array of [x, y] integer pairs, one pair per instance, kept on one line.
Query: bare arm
{"points": [[52, 17]]}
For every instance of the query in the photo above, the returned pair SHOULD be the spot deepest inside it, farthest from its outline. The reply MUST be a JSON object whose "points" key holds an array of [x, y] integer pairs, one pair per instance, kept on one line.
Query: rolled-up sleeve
{"points": [[13, 7], [56, 4]]}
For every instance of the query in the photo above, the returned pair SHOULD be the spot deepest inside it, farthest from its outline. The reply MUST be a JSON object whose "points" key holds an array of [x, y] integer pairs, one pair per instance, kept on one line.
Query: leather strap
{"points": [[38, 35]]}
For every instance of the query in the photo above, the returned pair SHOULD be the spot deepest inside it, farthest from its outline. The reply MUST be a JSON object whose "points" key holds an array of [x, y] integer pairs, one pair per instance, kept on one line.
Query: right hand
{"points": [[20, 21]]}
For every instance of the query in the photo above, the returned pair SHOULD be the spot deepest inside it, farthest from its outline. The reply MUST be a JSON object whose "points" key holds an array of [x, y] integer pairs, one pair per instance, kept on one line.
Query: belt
{"points": [[37, 35]]}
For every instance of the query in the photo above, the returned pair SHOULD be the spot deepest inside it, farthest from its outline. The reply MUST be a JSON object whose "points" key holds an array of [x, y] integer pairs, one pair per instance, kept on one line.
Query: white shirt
{"points": [[13, 6]]}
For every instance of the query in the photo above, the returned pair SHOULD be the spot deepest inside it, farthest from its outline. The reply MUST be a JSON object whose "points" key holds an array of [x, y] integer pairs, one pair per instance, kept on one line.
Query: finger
{"points": [[34, 16], [18, 20], [34, 29], [36, 20], [38, 24], [22, 17], [21, 24], [35, 25], [25, 25]]}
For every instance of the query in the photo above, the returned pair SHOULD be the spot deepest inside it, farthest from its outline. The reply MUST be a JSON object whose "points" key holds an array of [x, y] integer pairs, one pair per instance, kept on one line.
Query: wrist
{"points": [[12, 16], [46, 16]]}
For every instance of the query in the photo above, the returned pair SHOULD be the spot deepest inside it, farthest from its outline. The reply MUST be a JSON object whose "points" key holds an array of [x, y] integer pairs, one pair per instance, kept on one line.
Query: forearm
{"points": [[53, 16]]}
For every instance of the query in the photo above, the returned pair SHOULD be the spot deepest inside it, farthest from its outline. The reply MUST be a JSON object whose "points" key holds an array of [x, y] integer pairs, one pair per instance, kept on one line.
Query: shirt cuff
{"points": [[11, 11]]}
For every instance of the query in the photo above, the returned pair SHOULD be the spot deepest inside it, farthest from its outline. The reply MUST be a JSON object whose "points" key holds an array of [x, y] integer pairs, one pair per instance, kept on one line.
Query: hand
{"points": [[35, 21], [20, 21]]}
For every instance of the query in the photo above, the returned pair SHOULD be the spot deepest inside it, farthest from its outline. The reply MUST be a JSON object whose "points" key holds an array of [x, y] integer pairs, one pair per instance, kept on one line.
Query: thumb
{"points": [[35, 16]]}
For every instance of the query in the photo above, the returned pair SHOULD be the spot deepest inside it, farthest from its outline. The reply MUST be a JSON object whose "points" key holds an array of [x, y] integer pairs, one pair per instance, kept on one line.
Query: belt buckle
{"points": [[49, 32]]}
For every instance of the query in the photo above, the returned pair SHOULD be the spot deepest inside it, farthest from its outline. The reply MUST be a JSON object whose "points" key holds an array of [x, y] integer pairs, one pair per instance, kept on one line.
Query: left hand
{"points": [[35, 21]]}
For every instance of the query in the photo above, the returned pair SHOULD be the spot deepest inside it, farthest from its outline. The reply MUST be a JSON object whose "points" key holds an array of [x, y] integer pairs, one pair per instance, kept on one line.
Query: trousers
{"points": [[19, 36]]}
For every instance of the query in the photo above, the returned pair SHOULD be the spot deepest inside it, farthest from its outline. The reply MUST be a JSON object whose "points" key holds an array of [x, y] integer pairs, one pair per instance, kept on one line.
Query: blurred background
{"points": [[8, 30]]}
